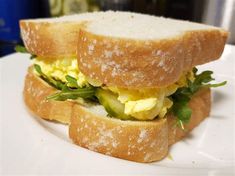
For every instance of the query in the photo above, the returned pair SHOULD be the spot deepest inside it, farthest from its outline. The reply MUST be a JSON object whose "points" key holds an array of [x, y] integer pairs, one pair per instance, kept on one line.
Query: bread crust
{"points": [[133, 63], [51, 40], [140, 141], [35, 92]]}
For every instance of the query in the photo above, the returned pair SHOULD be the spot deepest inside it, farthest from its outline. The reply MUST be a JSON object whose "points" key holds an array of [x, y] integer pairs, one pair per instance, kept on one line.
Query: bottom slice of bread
{"points": [[140, 141], [35, 92]]}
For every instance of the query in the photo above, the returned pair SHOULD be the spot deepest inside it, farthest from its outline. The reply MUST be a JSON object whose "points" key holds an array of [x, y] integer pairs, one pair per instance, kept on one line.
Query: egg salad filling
{"points": [[60, 68], [123, 103], [146, 104]]}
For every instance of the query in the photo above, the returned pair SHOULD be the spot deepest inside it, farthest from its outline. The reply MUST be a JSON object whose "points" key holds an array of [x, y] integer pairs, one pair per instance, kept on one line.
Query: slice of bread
{"points": [[54, 37], [141, 141], [35, 92], [134, 50]]}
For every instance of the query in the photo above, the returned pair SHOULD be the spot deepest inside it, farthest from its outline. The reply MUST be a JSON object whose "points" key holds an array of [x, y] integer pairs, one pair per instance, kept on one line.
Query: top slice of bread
{"points": [[55, 37], [129, 25], [134, 50], [125, 49]]}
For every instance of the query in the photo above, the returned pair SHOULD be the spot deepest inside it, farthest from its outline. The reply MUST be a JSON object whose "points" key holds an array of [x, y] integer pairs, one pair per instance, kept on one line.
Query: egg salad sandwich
{"points": [[126, 83], [52, 43]]}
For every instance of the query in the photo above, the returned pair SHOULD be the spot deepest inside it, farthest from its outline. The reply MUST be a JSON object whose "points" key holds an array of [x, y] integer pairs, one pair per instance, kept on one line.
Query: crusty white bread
{"points": [[53, 38], [141, 141], [132, 50], [49, 40], [35, 92]]}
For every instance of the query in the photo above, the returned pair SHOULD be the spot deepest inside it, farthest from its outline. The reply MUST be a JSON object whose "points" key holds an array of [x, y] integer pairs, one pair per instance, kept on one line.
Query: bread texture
{"points": [[35, 92], [50, 40], [54, 38], [126, 59], [140, 141]]}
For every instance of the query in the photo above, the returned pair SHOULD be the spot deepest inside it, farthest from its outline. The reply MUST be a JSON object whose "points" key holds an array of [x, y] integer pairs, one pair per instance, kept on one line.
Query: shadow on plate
{"points": [[218, 96]]}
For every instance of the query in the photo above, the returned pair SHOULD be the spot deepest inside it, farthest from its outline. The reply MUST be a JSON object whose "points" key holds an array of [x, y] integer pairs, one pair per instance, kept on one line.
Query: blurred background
{"points": [[215, 12]]}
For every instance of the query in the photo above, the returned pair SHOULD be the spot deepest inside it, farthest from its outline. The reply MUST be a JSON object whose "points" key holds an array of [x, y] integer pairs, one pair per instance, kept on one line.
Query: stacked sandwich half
{"points": [[126, 83]]}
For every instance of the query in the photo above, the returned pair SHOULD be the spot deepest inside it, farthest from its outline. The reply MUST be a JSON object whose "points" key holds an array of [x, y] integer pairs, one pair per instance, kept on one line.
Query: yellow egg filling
{"points": [[146, 104], [142, 104], [58, 70]]}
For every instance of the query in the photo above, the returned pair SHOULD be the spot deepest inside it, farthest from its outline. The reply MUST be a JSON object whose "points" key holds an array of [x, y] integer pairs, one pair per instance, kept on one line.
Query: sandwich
{"points": [[52, 43], [131, 88]]}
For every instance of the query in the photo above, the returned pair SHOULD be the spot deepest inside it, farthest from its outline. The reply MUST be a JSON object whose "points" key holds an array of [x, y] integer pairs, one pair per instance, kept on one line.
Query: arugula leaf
{"points": [[38, 69], [180, 106], [65, 91], [71, 81], [183, 95], [68, 93], [201, 79], [55, 83], [216, 85], [21, 49], [182, 111]]}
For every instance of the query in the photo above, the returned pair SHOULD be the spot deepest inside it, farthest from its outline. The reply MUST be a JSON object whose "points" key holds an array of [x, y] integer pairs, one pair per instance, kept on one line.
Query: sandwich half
{"points": [[52, 43], [135, 89]]}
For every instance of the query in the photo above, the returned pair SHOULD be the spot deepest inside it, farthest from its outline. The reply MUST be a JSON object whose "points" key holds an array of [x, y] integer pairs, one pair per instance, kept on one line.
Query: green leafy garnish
{"points": [[183, 95], [216, 85], [22, 49], [65, 91], [71, 81], [39, 70], [55, 83], [201, 80], [68, 93], [182, 111]]}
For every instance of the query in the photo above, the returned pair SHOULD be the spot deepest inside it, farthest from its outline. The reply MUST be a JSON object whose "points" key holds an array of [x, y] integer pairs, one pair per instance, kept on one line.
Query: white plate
{"points": [[33, 146]]}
